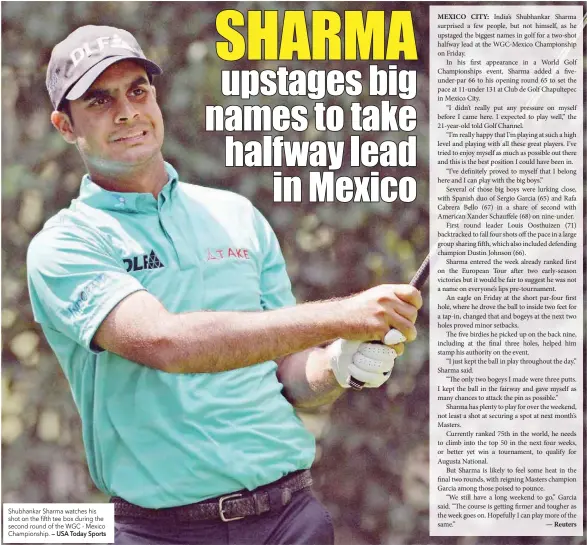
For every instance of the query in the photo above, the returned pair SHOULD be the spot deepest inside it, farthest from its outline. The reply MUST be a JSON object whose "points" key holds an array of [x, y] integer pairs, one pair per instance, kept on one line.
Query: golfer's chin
{"points": [[136, 157], [131, 159]]}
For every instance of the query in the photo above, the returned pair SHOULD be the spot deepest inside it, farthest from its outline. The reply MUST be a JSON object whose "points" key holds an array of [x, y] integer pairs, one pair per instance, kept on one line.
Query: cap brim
{"points": [[85, 82]]}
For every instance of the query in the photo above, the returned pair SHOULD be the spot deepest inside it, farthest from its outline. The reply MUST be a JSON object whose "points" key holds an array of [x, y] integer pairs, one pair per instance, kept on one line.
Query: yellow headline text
{"points": [[319, 35]]}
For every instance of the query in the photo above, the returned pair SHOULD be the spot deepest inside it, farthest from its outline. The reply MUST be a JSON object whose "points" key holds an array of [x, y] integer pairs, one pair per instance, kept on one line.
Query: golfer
{"points": [[170, 311]]}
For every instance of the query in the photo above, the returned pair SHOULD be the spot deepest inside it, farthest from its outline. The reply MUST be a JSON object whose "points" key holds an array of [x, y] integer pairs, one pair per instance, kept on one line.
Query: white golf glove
{"points": [[370, 363]]}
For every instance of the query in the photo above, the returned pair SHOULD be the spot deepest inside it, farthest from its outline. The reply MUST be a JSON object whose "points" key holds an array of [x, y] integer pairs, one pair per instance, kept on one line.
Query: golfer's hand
{"points": [[370, 363], [374, 312]]}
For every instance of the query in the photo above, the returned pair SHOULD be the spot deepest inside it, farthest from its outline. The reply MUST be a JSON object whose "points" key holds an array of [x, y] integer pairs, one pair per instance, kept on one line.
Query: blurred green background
{"points": [[372, 464]]}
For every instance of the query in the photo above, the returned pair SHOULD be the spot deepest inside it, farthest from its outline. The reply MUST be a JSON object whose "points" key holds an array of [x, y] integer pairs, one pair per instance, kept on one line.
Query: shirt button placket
{"points": [[170, 219]]}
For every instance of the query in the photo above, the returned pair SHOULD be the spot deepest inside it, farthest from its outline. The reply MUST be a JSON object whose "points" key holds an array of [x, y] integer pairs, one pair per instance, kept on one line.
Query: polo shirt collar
{"points": [[93, 195]]}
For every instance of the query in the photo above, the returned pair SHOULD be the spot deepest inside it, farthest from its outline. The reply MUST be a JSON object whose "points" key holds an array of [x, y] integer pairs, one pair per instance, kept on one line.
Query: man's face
{"points": [[117, 123]]}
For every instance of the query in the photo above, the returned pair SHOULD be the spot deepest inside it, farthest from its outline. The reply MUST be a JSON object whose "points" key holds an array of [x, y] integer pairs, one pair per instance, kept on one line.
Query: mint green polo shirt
{"points": [[153, 438]]}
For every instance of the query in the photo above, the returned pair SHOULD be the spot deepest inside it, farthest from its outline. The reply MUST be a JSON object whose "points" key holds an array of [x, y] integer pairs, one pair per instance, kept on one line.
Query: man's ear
{"points": [[62, 123], [154, 91]]}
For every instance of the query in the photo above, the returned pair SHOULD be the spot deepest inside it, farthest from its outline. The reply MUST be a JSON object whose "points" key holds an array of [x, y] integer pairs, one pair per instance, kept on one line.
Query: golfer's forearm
{"points": [[307, 378], [209, 342]]}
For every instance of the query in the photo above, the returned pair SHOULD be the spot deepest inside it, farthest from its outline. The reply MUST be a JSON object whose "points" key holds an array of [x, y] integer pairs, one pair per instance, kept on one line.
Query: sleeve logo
{"points": [[83, 296]]}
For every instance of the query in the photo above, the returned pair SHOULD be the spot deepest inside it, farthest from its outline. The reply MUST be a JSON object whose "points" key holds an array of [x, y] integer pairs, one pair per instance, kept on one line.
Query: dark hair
{"points": [[66, 109]]}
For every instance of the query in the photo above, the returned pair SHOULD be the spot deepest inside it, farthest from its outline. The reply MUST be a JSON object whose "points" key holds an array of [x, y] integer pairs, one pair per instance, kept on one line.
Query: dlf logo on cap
{"points": [[96, 47], [78, 60]]}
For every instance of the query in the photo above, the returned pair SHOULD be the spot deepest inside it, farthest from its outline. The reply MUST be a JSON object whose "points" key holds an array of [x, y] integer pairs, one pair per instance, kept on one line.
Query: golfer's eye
{"points": [[138, 92], [99, 101]]}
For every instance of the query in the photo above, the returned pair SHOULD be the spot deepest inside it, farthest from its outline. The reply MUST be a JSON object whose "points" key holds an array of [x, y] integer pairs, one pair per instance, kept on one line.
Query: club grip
{"points": [[418, 281]]}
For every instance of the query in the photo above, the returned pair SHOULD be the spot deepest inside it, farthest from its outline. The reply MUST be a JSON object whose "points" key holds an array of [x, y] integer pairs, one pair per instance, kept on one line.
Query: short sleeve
{"points": [[276, 289], [74, 282]]}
